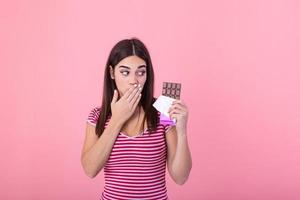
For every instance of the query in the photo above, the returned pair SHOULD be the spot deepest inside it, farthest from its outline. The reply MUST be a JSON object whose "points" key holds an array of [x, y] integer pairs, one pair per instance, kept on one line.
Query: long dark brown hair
{"points": [[121, 50]]}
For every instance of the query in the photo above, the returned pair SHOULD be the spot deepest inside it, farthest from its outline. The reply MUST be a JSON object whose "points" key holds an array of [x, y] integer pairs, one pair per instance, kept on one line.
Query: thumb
{"points": [[115, 97]]}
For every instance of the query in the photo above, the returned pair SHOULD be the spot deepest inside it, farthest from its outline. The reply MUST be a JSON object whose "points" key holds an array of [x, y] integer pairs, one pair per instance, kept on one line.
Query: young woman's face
{"points": [[129, 71]]}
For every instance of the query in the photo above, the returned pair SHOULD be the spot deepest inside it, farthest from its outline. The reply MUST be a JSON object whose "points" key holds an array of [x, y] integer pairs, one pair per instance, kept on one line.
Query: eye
{"points": [[141, 73], [125, 73]]}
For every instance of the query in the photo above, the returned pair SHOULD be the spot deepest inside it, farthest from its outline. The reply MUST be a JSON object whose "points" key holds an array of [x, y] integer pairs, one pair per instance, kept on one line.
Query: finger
{"points": [[174, 116], [115, 97], [179, 111], [135, 97], [138, 98], [178, 102], [134, 93], [175, 111], [176, 107], [128, 92]]}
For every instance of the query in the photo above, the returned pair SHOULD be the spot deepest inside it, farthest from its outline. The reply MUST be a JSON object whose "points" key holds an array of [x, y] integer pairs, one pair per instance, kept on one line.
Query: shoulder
{"points": [[93, 115]]}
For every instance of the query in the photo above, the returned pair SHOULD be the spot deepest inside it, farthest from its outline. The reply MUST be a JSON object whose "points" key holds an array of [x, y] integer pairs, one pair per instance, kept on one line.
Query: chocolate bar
{"points": [[171, 90]]}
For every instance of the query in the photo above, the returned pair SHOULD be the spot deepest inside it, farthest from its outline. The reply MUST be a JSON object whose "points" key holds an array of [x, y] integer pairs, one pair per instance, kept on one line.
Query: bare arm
{"points": [[96, 150], [179, 159]]}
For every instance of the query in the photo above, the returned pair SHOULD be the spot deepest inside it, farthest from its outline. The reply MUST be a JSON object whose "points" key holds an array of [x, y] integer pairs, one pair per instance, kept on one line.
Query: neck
{"points": [[137, 115], [136, 118], [138, 111]]}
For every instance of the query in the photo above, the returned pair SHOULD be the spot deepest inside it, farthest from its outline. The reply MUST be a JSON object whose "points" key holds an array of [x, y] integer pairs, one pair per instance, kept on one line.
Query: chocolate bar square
{"points": [[171, 90]]}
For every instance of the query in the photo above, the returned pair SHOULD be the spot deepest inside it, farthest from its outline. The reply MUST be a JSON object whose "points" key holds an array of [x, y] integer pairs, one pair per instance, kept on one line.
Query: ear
{"points": [[111, 70]]}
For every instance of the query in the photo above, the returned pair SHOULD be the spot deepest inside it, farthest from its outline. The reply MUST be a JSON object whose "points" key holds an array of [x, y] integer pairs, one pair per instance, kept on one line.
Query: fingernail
{"points": [[135, 85]]}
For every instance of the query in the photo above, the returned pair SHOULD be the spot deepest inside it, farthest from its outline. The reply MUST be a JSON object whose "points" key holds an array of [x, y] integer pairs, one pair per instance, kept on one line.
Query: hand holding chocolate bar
{"points": [[179, 111], [170, 92]]}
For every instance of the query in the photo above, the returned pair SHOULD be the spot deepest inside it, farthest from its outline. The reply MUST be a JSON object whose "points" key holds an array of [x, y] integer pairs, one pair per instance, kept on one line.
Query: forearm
{"points": [[94, 159], [182, 161]]}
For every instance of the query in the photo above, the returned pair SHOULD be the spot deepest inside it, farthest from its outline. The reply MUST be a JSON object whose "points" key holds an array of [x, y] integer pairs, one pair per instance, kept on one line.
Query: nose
{"points": [[134, 80]]}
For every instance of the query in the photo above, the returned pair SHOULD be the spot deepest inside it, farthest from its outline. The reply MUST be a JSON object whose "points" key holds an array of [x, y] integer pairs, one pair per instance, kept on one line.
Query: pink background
{"points": [[238, 62]]}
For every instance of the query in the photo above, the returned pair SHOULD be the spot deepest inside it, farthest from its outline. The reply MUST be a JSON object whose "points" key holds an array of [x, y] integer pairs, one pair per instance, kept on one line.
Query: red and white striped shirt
{"points": [[136, 166]]}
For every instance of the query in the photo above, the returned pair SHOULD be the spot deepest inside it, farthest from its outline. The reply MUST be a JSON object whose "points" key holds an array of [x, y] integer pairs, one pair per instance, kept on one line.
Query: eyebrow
{"points": [[129, 67]]}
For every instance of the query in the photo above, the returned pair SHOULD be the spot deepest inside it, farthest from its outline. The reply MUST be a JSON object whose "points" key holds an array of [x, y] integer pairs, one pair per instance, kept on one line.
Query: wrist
{"points": [[181, 131], [116, 122]]}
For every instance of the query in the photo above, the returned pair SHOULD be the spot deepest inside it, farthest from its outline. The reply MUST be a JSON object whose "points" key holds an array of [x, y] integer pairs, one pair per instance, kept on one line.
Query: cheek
{"points": [[143, 79], [121, 91], [120, 85]]}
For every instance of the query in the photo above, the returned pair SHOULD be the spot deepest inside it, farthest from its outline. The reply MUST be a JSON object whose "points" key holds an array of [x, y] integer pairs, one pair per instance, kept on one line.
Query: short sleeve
{"points": [[93, 116]]}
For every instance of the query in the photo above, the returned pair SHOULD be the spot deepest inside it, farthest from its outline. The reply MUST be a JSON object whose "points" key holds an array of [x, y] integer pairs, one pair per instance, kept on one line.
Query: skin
{"points": [[179, 160], [128, 72], [130, 76], [126, 114]]}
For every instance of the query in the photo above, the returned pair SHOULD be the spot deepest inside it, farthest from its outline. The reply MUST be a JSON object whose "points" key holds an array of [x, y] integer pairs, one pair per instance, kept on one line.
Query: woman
{"points": [[124, 135]]}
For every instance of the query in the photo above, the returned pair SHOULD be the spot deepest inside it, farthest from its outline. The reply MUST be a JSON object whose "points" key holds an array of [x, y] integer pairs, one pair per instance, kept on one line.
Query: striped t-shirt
{"points": [[136, 166]]}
